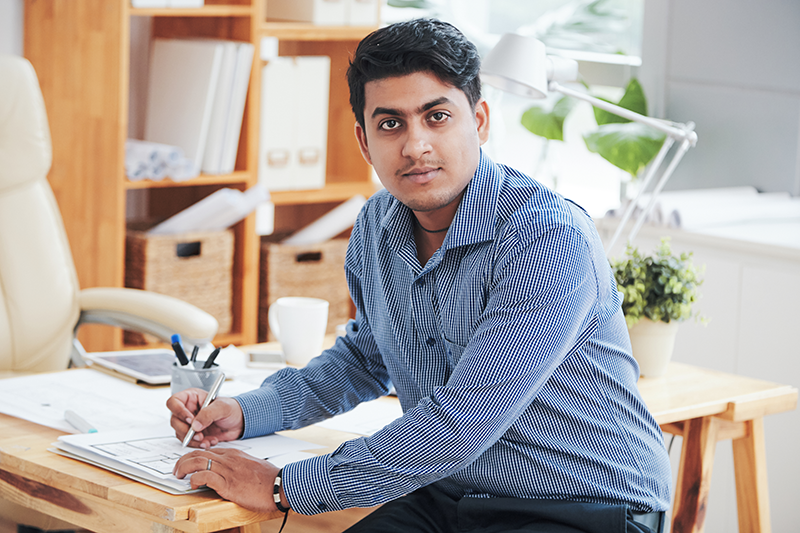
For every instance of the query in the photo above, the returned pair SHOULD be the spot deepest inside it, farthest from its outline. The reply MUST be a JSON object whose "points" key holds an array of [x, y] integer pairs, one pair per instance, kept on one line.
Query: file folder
{"points": [[294, 123], [183, 80]]}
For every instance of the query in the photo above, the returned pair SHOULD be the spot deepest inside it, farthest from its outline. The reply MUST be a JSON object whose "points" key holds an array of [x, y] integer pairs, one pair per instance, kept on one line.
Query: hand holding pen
{"points": [[212, 394]]}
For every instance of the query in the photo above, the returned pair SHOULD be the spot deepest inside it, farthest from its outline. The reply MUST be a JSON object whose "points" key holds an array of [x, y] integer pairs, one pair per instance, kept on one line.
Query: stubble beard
{"points": [[428, 201]]}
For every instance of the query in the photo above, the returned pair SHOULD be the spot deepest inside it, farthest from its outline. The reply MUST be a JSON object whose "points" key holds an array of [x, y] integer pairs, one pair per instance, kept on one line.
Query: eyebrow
{"points": [[424, 107]]}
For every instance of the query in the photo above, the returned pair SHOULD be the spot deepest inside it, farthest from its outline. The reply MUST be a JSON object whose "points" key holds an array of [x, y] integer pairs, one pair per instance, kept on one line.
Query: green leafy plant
{"points": [[661, 287], [625, 144]]}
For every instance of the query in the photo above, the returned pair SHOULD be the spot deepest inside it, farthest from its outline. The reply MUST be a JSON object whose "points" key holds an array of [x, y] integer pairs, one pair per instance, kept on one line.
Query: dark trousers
{"points": [[428, 510]]}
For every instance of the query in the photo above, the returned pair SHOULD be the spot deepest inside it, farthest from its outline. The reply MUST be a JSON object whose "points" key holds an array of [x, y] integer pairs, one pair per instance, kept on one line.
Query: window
{"points": [[603, 35]]}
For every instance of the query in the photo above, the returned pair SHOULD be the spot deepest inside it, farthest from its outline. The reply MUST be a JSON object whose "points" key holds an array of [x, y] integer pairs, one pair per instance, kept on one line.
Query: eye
{"points": [[439, 116], [389, 124]]}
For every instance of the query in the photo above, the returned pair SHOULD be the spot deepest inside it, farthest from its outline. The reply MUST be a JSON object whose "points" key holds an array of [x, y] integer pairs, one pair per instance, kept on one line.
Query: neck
{"points": [[426, 230]]}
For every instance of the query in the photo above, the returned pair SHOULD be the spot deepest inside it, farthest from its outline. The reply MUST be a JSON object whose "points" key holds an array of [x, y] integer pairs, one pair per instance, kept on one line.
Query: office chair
{"points": [[41, 304]]}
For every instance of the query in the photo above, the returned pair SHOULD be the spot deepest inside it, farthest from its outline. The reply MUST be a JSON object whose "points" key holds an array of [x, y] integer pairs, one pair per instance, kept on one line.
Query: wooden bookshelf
{"points": [[81, 51]]}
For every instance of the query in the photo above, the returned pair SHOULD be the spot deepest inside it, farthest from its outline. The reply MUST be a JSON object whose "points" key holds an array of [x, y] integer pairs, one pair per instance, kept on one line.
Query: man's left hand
{"points": [[234, 475]]}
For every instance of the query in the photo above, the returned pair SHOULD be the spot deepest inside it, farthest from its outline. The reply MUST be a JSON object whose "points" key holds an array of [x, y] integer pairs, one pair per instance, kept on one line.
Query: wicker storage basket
{"points": [[194, 267], [315, 271]]}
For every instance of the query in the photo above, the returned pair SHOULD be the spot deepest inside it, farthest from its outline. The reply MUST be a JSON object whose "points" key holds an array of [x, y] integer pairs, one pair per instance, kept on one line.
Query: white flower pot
{"points": [[652, 344]]}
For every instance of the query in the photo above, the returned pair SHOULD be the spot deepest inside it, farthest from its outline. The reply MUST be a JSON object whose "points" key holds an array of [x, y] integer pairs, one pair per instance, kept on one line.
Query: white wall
{"points": [[750, 296], [731, 67]]}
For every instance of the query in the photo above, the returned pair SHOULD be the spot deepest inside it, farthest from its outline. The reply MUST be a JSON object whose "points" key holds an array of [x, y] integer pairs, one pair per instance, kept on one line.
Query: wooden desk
{"points": [[701, 405], [105, 502], [705, 407]]}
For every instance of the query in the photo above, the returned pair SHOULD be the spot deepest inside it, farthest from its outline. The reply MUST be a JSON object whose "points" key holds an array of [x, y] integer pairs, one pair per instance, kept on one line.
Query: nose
{"points": [[417, 141]]}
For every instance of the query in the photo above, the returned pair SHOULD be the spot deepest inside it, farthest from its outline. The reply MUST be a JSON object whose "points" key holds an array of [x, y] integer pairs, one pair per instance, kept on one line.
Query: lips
{"points": [[422, 174]]}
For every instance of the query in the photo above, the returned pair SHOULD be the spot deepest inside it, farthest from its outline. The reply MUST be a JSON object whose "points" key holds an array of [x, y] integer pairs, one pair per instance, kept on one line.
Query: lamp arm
{"points": [[651, 172], [681, 151], [678, 133]]}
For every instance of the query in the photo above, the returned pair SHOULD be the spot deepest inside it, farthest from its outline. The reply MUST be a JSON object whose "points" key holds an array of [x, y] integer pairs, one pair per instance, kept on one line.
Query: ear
{"points": [[482, 120], [361, 137]]}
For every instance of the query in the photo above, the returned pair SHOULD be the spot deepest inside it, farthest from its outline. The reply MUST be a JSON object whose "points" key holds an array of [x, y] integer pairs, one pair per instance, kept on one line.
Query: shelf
{"points": [[298, 31], [205, 11], [92, 125], [334, 192], [237, 178]]}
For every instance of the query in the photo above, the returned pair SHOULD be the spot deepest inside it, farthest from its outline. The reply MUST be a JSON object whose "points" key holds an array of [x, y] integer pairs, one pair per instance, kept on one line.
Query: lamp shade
{"points": [[518, 65]]}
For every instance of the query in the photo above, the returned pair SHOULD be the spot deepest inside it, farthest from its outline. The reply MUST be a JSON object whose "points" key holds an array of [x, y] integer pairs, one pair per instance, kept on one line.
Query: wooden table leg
{"points": [[750, 465], [694, 474]]}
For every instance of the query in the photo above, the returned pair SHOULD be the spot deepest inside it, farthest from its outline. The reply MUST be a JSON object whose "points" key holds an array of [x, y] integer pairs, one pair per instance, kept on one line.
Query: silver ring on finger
{"points": [[208, 466]]}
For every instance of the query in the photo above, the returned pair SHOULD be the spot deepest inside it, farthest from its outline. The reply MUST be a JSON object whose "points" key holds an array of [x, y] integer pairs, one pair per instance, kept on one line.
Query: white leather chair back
{"points": [[38, 283]]}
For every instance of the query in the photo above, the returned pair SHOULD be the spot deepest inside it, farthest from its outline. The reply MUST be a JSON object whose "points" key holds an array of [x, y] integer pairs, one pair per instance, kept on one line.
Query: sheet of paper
{"points": [[150, 453], [105, 402], [366, 418]]}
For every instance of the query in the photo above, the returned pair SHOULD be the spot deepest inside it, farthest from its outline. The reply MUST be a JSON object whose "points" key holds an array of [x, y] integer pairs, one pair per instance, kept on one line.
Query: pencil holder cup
{"points": [[193, 375]]}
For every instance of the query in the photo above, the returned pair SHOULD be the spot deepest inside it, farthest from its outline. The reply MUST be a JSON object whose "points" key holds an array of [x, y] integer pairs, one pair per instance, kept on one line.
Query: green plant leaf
{"points": [[633, 100], [628, 146], [661, 287], [548, 124]]}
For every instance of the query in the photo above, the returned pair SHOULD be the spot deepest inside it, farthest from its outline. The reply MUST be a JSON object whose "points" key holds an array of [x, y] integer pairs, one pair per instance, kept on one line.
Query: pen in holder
{"points": [[193, 375]]}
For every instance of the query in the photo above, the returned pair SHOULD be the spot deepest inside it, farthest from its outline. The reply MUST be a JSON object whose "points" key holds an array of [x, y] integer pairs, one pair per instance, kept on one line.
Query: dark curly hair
{"points": [[420, 45]]}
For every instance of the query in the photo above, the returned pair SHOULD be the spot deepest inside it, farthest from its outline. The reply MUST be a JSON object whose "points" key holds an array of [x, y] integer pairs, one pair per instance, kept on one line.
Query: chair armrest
{"points": [[146, 312]]}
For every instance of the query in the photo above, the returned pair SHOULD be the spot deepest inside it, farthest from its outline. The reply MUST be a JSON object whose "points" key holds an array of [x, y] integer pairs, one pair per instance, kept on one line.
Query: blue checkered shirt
{"points": [[508, 351]]}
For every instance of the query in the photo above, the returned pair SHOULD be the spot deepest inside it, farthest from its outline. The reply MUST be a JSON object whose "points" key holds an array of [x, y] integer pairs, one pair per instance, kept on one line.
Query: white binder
{"points": [[312, 82], [180, 96], [294, 123], [362, 12], [321, 12], [220, 111], [277, 124], [241, 81]]}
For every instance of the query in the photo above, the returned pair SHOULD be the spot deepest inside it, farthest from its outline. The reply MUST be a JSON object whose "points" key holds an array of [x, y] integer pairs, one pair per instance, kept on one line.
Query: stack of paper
{"points": [[228, 110], [195, 99], [148, 454], [215, 212]]}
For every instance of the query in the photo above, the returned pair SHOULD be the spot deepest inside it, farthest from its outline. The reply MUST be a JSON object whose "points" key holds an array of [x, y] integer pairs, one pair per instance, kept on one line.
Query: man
{"points": [[487, 301]]}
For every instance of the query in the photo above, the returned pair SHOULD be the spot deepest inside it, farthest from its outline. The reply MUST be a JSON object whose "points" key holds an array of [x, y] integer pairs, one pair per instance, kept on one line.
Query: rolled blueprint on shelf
{"points": [[146, 160], [215, 212], [329, 225]]}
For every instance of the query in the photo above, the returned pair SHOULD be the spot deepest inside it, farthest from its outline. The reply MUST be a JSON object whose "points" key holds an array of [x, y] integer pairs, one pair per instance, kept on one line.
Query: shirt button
{"points": [[431, 341], [355, 328], [322, 506], [422, 282]]}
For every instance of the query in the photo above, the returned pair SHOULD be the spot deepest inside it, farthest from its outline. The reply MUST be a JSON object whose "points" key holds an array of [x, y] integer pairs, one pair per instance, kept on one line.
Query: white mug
{"points": [[299, 324]]}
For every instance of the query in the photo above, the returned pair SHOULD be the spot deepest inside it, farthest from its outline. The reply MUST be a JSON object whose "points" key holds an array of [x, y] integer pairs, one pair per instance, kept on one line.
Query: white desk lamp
{"points": [[520, 65]]}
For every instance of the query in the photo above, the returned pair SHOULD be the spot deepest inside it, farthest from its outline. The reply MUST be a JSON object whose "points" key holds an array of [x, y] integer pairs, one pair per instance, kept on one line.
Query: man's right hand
{"points": [[221, 421]]}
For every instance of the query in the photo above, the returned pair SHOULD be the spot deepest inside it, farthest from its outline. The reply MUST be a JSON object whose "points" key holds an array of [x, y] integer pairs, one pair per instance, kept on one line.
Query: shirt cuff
{"points": [[262, 412], [313, 493]]}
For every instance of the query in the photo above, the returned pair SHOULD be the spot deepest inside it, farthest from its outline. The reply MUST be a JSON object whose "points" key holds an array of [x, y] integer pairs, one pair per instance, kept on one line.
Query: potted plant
{"points": [[659, 291]]}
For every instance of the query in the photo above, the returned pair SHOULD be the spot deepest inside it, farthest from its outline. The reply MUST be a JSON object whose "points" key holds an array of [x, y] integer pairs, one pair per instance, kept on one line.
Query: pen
{"points": [[176, 345], [210, 360], [194, 353], [76, 421], [209, 398]]}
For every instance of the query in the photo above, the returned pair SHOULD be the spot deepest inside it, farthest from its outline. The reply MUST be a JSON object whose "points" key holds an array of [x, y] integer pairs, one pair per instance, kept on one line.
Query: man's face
{"points": [[423, 139]]}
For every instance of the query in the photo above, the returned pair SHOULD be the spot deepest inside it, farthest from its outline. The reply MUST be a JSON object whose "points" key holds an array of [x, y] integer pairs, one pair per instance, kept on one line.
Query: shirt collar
{"points": [[475, 218]]}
